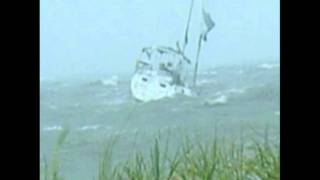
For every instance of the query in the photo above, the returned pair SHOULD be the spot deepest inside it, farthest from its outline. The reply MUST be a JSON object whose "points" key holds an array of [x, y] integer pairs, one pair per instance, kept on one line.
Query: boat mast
{"points": [[203, 37], [197, 60], [187, 28]]}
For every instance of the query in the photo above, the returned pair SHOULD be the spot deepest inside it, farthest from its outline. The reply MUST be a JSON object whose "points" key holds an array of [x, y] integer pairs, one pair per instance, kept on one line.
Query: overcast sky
{"points": [[80, 37]]}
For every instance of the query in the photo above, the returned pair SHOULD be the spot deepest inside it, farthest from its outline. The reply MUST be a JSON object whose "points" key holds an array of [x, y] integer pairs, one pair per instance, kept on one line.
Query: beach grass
{"points": [[193, 160], [51, 169]]}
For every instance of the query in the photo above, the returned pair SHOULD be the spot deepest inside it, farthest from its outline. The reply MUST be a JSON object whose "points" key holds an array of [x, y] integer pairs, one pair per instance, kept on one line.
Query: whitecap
{"points": [[52, 128], [203, 81], [113, 81], [220, 100], [210, 73], [231, 91], [236, 90], [90, 127], [269, 66]]}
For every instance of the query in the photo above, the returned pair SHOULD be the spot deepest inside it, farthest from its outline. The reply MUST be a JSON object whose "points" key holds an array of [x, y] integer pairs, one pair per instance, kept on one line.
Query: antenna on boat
{"points": [[187, 28], [203, 37]]}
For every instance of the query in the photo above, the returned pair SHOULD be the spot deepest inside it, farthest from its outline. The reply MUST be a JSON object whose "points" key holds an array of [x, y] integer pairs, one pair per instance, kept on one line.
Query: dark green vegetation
{"points": [[51, 169], [193, 160]]}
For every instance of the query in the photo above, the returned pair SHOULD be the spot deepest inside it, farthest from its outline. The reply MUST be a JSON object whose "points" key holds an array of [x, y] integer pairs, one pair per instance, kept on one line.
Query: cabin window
{"points": [[162, 85], [144, 79]]}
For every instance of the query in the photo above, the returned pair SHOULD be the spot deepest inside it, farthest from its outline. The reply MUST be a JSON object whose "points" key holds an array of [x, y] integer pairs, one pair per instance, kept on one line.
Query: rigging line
{"points": [[187, 27]]}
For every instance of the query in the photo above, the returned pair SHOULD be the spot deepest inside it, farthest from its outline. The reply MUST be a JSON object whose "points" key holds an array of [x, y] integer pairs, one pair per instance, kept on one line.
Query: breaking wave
{"points": [[113, 81], [52, 128], [89, 127], [269, 66], [219, 100]]}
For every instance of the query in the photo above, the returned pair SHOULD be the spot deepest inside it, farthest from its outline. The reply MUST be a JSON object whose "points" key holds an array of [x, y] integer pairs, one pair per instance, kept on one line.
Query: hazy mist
{"points": [[81, 37]]}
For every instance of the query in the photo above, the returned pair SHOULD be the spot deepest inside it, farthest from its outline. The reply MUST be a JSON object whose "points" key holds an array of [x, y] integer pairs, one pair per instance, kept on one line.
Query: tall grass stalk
{"points": [[193, 160], [52, 169]]}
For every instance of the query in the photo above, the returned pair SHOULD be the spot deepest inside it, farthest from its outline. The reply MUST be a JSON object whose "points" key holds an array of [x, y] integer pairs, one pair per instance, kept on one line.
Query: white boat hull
{"points": [[148, 86]]}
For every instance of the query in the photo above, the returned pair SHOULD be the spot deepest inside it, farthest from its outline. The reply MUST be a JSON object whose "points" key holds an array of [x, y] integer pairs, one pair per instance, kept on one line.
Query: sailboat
{"points": [[161, 71]]}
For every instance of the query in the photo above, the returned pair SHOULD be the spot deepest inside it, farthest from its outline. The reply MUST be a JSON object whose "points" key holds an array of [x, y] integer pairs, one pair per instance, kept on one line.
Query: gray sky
{"points": [[80, 37]]}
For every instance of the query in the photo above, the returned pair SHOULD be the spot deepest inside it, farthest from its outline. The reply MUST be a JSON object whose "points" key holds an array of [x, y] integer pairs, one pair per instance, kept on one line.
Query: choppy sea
{"points": [[232, 100]]}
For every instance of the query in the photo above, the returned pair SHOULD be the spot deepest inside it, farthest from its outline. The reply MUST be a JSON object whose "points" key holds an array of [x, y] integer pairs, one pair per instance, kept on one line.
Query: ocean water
{"points": [[232, 100]]}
